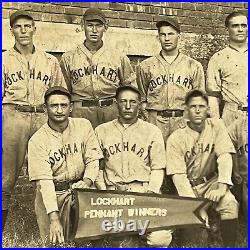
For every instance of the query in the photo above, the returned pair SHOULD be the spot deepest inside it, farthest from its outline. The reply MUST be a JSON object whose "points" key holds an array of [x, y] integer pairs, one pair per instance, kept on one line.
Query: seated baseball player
{"points": [[63, 154], [200, 162], [134, 159], [238, 132]]}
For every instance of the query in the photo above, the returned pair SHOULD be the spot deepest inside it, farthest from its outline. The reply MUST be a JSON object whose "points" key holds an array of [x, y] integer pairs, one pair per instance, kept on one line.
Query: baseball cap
{"points": [[194, 93], [17, 14], [169, 21], [56, 90], [94, 14], [127, 86]]}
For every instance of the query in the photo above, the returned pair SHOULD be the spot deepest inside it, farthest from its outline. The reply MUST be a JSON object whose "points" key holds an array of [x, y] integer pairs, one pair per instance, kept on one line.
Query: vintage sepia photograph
{"points": [[125, 124]]}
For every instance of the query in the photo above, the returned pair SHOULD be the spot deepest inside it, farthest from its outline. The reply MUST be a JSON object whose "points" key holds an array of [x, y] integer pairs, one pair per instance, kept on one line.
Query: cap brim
{"points": [[162, 23], [94, 17]]}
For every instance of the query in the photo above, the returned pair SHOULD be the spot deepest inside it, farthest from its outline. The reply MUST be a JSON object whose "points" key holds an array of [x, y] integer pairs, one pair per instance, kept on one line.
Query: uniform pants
{"points": [[231, 113], [160, 238], [167, 125], [227, 207], [96, 115], [17, 128]]}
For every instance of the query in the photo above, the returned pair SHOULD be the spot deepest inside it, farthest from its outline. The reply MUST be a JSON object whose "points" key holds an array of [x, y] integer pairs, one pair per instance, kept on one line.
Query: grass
{"points": [[21, 231]]}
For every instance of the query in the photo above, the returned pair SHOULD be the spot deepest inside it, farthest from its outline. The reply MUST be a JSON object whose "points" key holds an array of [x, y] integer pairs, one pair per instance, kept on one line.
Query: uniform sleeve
{"points": [[126, 72], [48, 192], [199, 77], [38, 166], [64, 63], [213, 82], [157, 156], [3, 81], [223, 143], [92, 154], [57, 76], [175, 158]]}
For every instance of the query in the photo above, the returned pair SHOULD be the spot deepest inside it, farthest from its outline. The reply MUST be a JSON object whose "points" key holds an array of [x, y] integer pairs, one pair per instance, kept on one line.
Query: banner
{"points": [[102, 213]]}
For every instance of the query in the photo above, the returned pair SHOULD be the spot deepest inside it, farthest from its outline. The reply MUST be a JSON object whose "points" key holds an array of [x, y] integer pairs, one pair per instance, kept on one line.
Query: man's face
{"points": [[238, 29], [23, 30], [197, 109], [168, 37], [94, 30], [128, 106], [58, 108]]}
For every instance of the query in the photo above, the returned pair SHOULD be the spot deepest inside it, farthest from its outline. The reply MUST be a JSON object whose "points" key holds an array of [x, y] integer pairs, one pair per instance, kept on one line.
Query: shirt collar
{"points": [[17, 50]]}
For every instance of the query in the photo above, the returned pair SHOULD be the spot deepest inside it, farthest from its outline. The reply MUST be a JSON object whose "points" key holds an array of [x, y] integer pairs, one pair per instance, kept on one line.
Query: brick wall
{"points": [[202, 26], [200, 18]]}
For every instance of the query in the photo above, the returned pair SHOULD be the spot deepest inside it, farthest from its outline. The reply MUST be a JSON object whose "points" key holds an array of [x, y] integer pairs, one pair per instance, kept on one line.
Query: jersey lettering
{"points": [[199, 148], [106, 72], [61, 153], [119, 148], [170, 79], [18, 76]]}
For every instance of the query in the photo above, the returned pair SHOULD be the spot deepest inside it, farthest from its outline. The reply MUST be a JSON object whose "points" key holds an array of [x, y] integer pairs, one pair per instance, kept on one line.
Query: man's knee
{"points": [[228, 207], [161, 238]]}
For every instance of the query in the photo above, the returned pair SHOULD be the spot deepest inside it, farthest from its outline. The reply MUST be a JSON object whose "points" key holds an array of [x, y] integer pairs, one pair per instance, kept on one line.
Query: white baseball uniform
{"points": [[95, 77], [195, 154], [165, 85], [131, 154], [227, 75], [24, 83]]}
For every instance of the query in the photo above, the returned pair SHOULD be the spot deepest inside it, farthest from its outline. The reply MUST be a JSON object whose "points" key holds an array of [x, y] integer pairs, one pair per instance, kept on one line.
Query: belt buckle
{"points": [[204, 178], [173, 113], [100, 102], [35, 110], [192, 182]]}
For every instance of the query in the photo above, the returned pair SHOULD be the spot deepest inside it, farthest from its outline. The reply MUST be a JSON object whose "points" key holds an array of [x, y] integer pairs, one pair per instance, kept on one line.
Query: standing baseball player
{"points": [[238, 132], [200, 162], [27, 73], [133, 154], [167, 77], [227, 74], [94, 70], [63, 154]]}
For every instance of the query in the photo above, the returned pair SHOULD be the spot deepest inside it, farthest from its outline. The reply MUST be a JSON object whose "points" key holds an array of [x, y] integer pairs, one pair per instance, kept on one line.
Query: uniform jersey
{"points": [[228, 73], [64, 156], [25, 82], [95, 76], [130, 153], [195, 154], [238, 132], [165, 85]]}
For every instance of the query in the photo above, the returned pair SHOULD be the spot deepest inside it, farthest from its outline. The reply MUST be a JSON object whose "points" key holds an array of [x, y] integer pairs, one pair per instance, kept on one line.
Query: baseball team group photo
{"points": [[125, 124]]}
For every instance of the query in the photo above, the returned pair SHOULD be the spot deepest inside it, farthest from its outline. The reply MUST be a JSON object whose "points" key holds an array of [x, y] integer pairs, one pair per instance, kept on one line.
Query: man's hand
{"points": [[204, 216], [85, 183], [56, 229], [216, 192]]}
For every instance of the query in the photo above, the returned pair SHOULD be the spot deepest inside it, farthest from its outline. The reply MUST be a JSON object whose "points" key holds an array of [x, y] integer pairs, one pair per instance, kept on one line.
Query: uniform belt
{"points": [[98, 102], [204, 179], [60, 186], [126, 186], [170, 113], [29, 108], [243, 108]]}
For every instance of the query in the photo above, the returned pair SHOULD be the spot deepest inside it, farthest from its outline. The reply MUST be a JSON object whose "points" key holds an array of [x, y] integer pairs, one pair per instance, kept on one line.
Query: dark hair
{"points": [[195, 93], [233, 14], [56, 92], [127, 87]]}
